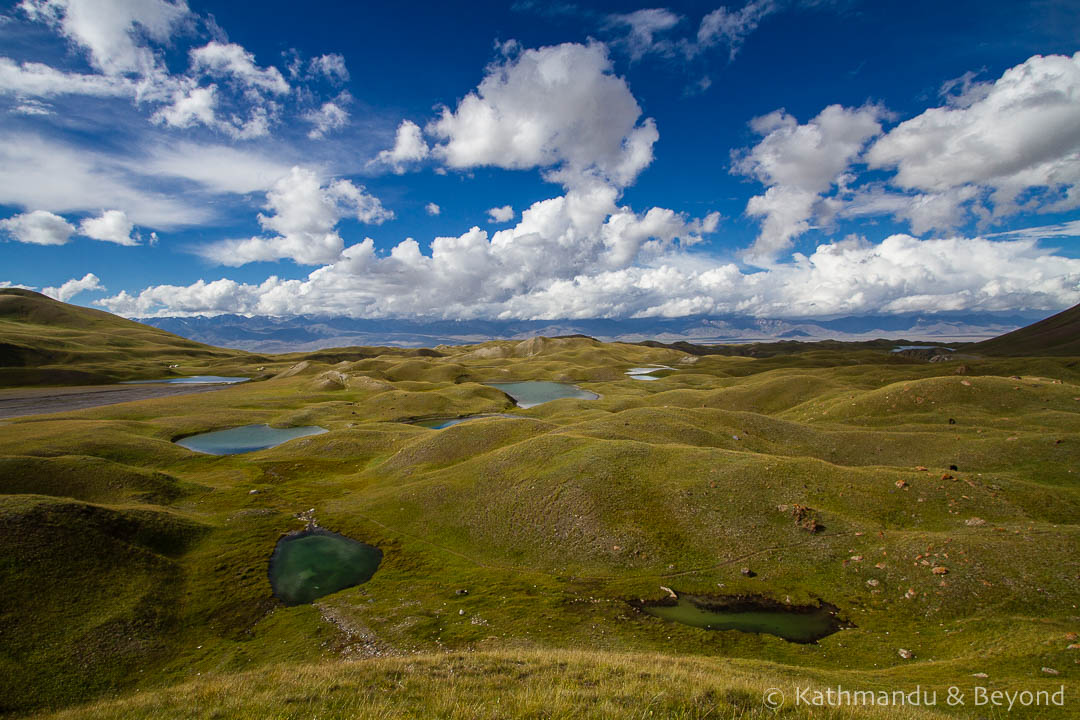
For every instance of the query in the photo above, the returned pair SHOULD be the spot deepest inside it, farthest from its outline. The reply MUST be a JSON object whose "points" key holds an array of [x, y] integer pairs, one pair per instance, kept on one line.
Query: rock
{"points": [[294, 370], [940, 570], [920, 468], [974, 522], [747, 572], [1072, 636], [1073, 646], [460, 612], [1050, 671], [670, 592], [979, 675], [689, 360], [330, 380], [906, 654], [902, 484], [947, 476], [462, 591], [856, 558], [910, 593], [965, 382], [873, 582], [253, 492]]}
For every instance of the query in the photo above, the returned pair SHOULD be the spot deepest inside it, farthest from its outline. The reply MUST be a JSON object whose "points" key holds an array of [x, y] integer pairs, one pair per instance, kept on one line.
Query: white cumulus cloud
{"points": [[38, 228], [74, 286], [500, 214], [1020, 133], [111, 226], [799, 163], [432, 209], [559, 108], [303, 215], [409, 148], [112, 31], [229, 60]]}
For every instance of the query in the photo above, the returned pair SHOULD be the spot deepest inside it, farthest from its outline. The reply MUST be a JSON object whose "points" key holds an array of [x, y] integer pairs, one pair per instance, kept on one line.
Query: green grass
{"points": [[135, 572]]}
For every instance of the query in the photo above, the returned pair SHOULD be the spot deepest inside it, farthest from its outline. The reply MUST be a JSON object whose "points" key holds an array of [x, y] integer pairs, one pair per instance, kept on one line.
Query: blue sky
{"points": [[774, 158]]}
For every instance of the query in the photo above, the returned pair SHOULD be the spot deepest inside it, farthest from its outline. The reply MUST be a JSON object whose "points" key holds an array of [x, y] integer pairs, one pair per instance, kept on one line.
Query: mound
{"points": [[1056, 335], [90, 594], [44, 341]]}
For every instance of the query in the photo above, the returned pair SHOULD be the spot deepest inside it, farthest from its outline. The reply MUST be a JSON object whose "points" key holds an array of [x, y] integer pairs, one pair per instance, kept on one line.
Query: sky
{"points": [[542, 160]]}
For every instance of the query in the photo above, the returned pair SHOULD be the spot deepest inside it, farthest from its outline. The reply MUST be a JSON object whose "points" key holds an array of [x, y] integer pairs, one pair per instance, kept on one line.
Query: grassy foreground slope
{"points": [[131, 567]]}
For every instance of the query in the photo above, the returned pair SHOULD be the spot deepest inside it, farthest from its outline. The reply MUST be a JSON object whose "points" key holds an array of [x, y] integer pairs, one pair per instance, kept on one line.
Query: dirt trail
{"points": [[17, 402]]}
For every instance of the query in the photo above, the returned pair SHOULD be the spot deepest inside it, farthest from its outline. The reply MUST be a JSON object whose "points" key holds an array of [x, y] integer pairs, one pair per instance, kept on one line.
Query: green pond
{"points": [[805, 624], [307, 565], [248, 438], [533, 393]]}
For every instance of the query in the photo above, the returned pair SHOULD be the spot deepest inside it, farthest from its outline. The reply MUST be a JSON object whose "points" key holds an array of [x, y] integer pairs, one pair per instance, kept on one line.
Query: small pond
{"points": [[190, 380], [316, 562], [901, 348], [533, 393], [248, 438], [646, 373], [800, 624], [445, 422]]}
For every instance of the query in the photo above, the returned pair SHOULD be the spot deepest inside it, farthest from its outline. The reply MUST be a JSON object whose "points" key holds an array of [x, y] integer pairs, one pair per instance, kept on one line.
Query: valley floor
{"points": [[934, 504]]}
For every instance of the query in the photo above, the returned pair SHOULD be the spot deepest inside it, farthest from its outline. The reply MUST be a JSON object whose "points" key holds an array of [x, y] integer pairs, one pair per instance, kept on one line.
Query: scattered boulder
{"points": [[1050, 671], [979, 675], [330, 380], [940, 570], [902, 484], [747, 572], [974, 522], [670, 592], [873, 582], [906, 654], [806, 518], [462, 591], [689, 360]]}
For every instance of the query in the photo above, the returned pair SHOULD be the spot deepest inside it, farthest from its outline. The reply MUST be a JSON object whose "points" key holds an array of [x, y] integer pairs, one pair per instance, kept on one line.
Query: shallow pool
{"points": [[247, 438], [190, 380], [308, 565], [533, 393], [440, 423], [801, 624]]}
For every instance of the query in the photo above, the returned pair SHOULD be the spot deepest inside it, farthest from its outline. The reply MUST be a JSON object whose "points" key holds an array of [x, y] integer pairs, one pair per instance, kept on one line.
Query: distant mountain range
{"points": [[287, 334]]}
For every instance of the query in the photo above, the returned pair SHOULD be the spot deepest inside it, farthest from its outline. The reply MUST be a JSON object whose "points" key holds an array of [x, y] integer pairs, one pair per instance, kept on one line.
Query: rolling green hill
{"points": [[1056, 335], [943, 496], [47, 342]]}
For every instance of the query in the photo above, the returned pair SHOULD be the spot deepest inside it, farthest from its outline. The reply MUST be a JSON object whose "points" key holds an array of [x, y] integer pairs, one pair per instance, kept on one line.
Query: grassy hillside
{"points": [[554, 521], [1056, 335], [47, 342]]}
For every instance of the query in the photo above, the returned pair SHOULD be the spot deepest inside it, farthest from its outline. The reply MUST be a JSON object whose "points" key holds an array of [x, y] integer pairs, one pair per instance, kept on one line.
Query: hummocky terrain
{"points": [[934, 504]]}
